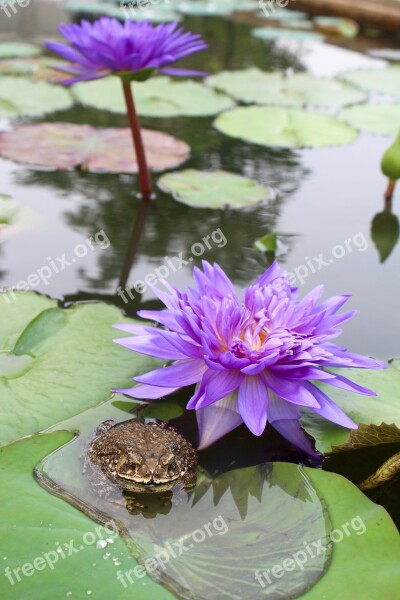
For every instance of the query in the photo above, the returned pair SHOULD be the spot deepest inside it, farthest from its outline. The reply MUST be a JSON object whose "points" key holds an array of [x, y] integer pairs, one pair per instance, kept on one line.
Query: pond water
{"points": [[324, 209]]}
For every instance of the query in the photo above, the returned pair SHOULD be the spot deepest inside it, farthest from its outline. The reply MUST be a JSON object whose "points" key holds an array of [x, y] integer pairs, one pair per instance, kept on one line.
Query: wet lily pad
{"points": [[74, 362], [15, 217], [380, 119], [271, 34], [67, 146], [14, 49], [384, 408], [287, 128], [32, 98], [255, 86], [323, 92], [215, 189], [156, 97], [384, 81]]}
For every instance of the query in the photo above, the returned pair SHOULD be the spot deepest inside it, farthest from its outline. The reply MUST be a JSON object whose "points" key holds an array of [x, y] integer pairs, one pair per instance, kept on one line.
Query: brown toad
{"points": [[140, 457]]}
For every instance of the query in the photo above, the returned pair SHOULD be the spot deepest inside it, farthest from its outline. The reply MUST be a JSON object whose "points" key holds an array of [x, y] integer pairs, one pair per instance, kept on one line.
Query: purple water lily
{"points": [[252, 361], [132, 51], [109, 46]]}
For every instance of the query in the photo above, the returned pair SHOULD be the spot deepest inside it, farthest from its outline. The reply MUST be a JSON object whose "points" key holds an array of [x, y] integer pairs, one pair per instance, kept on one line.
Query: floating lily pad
{"points": [[15, 49], [384, 81], [156, 97], [323, 92], [124, 11], [15, 217], [38, 68], [380, 119], [216, 189], [32, 98], [52, 522], [384, 408], [287, 128], [271, 34], [56, 362], [253, 85], [367, 436], [216, 7], [68, 146], [284, 14]]}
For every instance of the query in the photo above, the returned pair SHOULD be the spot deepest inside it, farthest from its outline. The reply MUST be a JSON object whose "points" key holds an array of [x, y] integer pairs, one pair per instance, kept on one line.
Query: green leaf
{"points": [[215, 189], [253, 85], [367, 436], [123, 11], [268, 243], [384, 81], [385, 473], [33, 98], [15, 217], [68, 146], [272, 34], [212, 8], [57, 362], [380, 119], [157, 97], [17, 49], [368, 555], [34, 524], [384, 408], [287, 128], [385, 232], [256, 86]]}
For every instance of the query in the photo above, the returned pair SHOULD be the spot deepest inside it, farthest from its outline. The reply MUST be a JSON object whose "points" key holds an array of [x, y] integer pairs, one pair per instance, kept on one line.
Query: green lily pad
{"points": [[16, 49], [32, 98], [156, 97], [379, 119], [15, 217], [135, 13], [368, 555], [256, 86], [214, 7], [271, 34], [74, 362], [367, 436], [287, 128], [216, 189], [323, 92], [283, 14], [384, 81], [384, 408], [34, 524], [37, 68], [67, 146]]}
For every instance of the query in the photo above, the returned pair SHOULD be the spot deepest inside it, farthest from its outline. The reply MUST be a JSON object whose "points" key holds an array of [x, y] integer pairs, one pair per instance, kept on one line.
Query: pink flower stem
{"points": [[146, 187]]}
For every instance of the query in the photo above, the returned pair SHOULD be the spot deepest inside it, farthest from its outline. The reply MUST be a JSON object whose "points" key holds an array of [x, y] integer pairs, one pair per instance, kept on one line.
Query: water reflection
{"points": [[385, 231]]}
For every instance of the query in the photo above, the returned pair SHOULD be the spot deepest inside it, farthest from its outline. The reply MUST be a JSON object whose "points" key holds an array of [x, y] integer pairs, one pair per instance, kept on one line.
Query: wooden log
{"points": [[383, 14]]}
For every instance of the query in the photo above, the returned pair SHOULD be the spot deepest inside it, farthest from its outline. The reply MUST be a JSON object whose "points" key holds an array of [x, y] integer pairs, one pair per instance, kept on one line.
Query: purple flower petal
{"points": [[146, 392], [217, 420], [253, 404], [178, 375]]}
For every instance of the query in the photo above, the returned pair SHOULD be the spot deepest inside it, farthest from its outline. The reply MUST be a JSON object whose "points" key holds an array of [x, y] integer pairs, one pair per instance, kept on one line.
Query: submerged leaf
{"points": [[15, 217], [68, 146]]}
